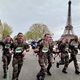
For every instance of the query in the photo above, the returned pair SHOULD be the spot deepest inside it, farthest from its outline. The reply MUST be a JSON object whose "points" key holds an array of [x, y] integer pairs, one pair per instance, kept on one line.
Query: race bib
{"points": [[75, 45], [45, 49], [18, 50], [66, 49], [7, 46]]}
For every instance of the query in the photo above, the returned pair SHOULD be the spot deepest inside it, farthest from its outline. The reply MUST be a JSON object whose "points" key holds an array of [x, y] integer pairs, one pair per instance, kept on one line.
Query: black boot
{"points": [[5, 72], [64, 71], [49, 73], [77, 72], [57, 65], [17, 79], [40, 76]]}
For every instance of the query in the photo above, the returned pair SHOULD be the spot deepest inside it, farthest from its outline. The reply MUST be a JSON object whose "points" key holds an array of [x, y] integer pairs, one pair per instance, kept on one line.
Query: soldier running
{"points": [[18, 48], [64, 47], [6, 56], [45, 55], [74, 46]]}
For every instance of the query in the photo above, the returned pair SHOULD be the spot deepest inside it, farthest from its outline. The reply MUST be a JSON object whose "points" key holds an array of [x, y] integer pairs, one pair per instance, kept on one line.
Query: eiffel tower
{"points": [[68, 32]]}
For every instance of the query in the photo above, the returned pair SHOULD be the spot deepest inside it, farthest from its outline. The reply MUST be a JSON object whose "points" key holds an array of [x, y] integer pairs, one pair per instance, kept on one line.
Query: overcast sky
{"points": [[21, 14]]}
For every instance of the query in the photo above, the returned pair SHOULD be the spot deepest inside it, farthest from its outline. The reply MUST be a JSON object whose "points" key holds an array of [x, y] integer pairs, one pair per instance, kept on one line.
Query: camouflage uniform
{"points": [[44, 59], [17, 62], [6, 57], [63, 47], [74, 45]]}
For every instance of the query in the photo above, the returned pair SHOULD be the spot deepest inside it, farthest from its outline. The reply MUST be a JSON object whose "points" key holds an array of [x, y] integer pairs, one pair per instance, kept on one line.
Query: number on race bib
{"points": [[18, 50], [45, 49], [7, 46]]}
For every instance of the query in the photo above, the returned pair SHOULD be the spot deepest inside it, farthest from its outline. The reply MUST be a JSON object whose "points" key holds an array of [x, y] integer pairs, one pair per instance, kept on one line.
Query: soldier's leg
{"points": [[4, 59], [76, 65], [20, 64], [66, 63], [42, 71], [15, 68], [40, 75], [49, 65], [61, 62], [8, 60], [71, 58]]}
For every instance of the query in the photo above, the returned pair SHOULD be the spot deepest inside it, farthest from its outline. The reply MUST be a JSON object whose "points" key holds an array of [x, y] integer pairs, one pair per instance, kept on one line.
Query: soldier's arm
{"points": [[27, 47], [1, 43], [55, 50], [38, 48], [79, 46], [12, 46]]}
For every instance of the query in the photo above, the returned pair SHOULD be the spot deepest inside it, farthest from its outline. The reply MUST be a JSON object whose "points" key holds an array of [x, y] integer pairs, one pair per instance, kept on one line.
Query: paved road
{"points": [[31, 68]]}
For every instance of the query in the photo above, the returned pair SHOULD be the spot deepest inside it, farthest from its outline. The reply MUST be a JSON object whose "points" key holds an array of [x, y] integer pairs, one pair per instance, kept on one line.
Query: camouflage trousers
{"points": [[74, 59], [45, 62], [64, 60], [17, 65], [6, 61]]}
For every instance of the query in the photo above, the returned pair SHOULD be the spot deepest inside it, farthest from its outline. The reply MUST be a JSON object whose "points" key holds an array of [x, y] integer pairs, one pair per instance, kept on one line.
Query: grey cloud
{"points": [[21, 14]]}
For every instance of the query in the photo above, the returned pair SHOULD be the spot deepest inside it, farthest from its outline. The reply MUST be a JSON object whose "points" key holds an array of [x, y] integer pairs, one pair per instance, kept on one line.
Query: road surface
{"points": [[31, 68]]}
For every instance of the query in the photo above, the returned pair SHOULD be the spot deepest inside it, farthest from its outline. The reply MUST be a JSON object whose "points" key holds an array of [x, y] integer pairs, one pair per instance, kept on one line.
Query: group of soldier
{"points": [[45, 53], [65, 48], [16, 48], [44, 49]]}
